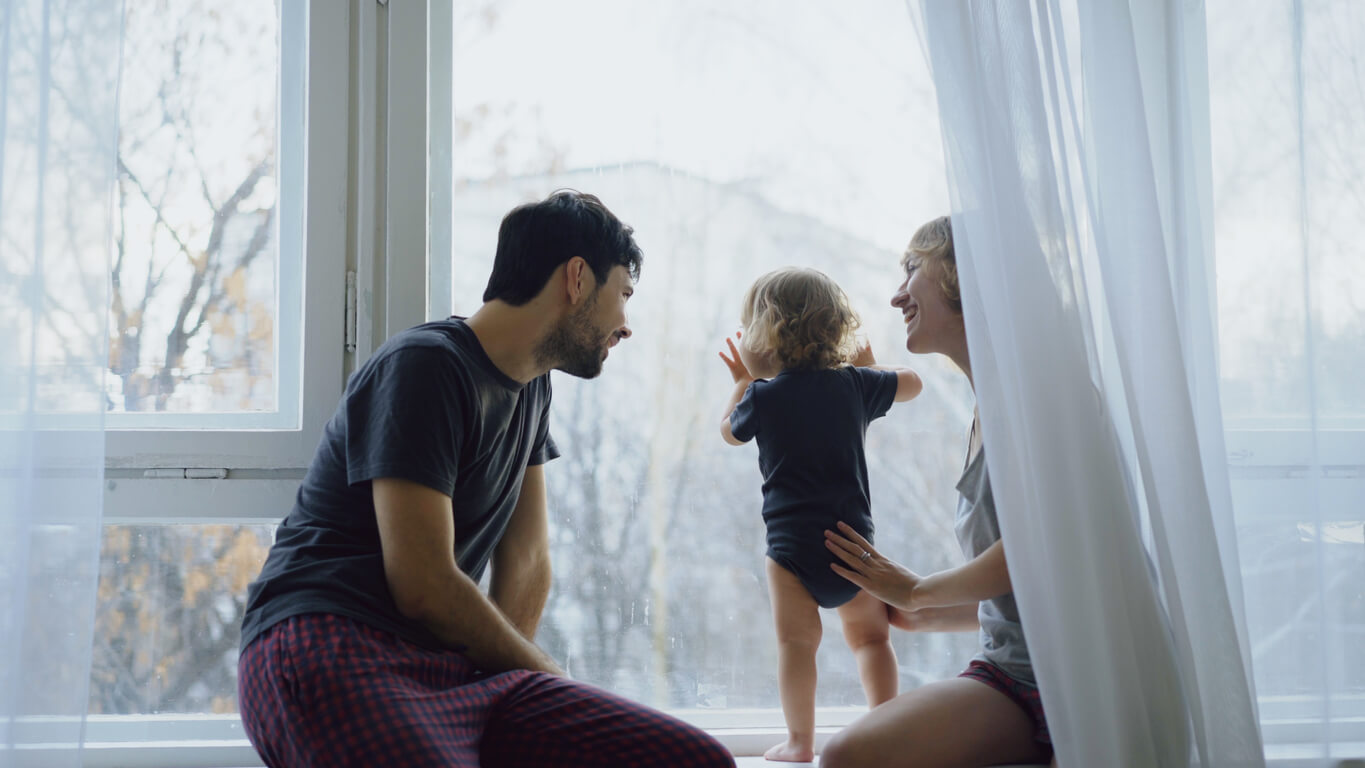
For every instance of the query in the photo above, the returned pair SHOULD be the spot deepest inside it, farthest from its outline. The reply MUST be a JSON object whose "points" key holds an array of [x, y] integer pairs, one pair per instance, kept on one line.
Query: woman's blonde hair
{"points": [[934, 241], [801, 317]]}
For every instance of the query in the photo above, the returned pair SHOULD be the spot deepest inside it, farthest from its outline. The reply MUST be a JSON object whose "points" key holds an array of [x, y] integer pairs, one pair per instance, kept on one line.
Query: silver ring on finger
{"points": [[865, 555]]}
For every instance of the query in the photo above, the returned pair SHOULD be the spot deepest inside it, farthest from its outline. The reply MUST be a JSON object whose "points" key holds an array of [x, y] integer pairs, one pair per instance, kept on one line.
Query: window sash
{"points": [[312, 202]]}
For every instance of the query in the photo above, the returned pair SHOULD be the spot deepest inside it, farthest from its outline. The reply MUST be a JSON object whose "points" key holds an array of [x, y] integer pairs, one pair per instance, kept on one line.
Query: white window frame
{"points": [[1277, 461], [353, 158], [312, 216], [154, 474], [250, 476]]}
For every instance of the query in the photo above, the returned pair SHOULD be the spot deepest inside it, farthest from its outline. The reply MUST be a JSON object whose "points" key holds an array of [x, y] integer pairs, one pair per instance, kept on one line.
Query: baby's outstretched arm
{"points": [[742, 379], [908, 383]]}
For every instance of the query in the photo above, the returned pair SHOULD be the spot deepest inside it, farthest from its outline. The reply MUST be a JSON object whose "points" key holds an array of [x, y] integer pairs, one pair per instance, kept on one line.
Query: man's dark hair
{"points": [[536, 238]]}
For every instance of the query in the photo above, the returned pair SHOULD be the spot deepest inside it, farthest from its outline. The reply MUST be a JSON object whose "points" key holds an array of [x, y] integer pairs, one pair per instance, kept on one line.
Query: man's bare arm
{"points": [[417, 532], [521, 562]]}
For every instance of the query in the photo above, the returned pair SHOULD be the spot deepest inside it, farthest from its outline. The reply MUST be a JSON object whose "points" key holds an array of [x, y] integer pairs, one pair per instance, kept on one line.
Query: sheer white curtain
{"points": [[59, 63], [1077, 147]]}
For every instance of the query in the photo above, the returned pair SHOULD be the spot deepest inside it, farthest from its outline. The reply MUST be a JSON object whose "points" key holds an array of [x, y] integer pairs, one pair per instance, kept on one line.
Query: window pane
{"points": [[736, 139], [1288, 202], [169, 616], [194, 314]]}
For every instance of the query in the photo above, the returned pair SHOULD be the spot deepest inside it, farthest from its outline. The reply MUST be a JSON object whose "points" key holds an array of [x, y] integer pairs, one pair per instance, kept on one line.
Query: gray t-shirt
{"points": [[1002, 636]]}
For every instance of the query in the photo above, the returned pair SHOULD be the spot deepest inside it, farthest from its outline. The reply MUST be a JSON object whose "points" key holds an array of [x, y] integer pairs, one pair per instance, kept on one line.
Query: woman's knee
{"points": [[841, 751]]}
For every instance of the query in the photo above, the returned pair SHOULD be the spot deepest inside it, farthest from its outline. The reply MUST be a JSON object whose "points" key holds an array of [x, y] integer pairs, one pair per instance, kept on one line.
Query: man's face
{"points": [[582, 341]]}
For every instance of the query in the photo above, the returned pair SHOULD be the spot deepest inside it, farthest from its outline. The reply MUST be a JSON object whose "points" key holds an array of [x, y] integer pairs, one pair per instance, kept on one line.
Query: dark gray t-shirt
{"points": [[977, 527], [430, 407]]}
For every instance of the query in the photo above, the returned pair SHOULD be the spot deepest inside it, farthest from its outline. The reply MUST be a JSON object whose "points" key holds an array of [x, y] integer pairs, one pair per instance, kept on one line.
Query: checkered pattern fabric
{"points": [[1026, 696], [320, 689]]}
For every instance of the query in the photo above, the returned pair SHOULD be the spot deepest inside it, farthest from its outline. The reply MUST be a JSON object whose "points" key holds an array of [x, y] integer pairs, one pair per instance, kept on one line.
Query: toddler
{"points": [[796, 392]]}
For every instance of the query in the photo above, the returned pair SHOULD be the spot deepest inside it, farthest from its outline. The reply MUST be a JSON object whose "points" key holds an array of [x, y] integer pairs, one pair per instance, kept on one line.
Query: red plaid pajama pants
{"points": [[320, 689]]}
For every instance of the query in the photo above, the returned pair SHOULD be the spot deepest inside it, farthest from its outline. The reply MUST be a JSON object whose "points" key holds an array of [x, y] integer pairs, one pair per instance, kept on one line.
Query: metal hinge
{"points": [[349, 334]]}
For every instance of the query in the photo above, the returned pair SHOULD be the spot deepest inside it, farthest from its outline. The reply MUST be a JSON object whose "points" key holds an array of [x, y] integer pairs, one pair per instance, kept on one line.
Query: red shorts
{"points": [[1026, 696], [319, 690]]}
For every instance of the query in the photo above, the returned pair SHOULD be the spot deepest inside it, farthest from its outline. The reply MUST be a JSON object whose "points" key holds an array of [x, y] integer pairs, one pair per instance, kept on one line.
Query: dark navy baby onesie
{"points": [[810, 427]]}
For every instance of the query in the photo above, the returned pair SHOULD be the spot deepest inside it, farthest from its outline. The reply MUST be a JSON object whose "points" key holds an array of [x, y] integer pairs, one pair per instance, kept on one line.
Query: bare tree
{"points": [[193, 213]]}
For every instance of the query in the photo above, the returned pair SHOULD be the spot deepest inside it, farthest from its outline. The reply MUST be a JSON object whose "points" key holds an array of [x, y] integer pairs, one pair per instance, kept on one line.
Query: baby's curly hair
{"points": [[801, 317]]}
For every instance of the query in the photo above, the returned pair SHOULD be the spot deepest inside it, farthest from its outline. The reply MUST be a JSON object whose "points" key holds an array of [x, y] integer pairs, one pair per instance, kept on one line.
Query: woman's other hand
{"points": [[953, 618], [863, 565]]}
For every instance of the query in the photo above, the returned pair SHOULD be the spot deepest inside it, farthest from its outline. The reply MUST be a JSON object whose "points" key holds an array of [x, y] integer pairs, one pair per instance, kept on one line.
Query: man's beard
{"points": [[575, 346]]}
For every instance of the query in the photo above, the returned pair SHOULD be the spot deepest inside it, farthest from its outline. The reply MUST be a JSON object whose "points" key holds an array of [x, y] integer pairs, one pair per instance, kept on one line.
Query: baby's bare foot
{"points": [[791, 752]]}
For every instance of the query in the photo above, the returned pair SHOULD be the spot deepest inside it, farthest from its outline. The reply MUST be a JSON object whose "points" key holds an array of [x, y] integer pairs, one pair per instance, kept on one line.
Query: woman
{"points": [[991, 714]]}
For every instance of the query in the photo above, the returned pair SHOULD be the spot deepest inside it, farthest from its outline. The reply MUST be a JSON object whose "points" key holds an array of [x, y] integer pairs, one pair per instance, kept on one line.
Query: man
{"points": [[367, 640]]}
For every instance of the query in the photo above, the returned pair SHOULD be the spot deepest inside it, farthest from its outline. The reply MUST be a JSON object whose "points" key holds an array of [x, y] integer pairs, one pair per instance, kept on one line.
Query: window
{"points": [[224, 316], [1286, 189], [197, 311], [735, 139], [227, 337]]}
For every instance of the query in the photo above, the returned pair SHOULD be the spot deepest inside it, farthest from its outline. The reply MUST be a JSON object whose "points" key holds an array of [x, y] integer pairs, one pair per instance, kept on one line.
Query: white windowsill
{"points": [[218, 741]]}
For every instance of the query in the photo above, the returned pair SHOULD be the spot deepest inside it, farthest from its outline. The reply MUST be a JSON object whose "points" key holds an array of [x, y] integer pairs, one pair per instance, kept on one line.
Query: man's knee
{"points": [[715, 755]]}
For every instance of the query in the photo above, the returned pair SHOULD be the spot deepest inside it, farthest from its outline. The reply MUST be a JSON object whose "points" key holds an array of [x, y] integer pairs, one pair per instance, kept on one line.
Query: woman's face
{"points": [[931, 323]]}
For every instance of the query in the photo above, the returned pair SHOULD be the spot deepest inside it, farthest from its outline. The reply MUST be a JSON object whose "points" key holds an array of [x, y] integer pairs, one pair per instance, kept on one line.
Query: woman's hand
{"points": [[909, 621], [734, 363], [863, 565]]}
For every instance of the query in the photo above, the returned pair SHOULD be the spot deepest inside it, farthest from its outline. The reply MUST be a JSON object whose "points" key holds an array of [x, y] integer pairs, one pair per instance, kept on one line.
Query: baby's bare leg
{"points": [[867, 631], [797, 618]]}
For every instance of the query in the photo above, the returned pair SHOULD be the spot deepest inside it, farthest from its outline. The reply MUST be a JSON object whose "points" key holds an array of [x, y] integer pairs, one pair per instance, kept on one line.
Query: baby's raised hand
{"points": [[864, 357], [737, 368]]}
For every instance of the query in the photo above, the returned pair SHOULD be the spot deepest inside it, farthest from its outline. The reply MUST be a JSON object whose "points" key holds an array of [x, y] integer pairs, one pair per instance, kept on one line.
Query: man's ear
{"points": [[578, 279]]}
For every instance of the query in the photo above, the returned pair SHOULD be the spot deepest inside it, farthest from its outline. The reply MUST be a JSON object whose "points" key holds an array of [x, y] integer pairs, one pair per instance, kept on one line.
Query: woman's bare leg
{"points": [[868, 633], [958, 723], [797, 618]]}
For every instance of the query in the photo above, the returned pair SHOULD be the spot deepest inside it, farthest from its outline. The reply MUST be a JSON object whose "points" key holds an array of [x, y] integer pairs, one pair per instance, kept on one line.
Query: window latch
{"points": [[186, 473]]}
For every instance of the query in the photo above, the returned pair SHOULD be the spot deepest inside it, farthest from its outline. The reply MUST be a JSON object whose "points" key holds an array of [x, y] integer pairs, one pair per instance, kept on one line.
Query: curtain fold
{"points": [[59, 64], [1079, 193]]}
